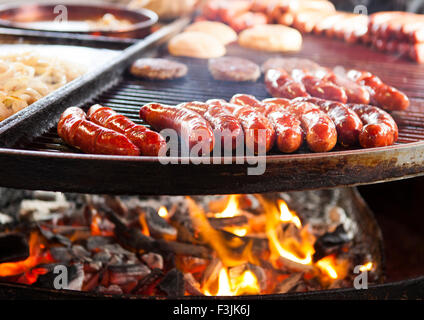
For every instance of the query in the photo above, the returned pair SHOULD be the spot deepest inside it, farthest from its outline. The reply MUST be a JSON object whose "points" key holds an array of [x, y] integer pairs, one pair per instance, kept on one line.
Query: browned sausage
{"points": [[189, 125], [348, 123], [355, 92], [77, 131], [281, 85], [379, 129], [287, 127], [225, 125], [258, 130], [319, 87], [321, 134], [381, 94], [148, 141]]}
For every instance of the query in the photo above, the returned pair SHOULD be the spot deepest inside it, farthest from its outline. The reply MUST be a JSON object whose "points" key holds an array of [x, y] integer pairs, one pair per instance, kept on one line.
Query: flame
{"points": [[247, 283], [95, 227], [286, 215], [163, 212], [238, 231], [224, 248], [232, 208], [327, 266], [290, 249], [37, 256], [143, 223], [366, 267]]}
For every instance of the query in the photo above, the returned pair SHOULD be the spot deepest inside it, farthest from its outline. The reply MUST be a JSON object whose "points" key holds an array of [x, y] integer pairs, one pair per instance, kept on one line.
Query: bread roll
{"points": [[218, 30], [196, 44], [271, 37]]}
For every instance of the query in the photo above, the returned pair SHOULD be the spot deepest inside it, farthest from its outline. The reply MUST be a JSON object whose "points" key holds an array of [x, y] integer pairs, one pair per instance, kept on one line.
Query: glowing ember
{"points": [[163, 212], [36, 256], [143, 224], [232, 208]]}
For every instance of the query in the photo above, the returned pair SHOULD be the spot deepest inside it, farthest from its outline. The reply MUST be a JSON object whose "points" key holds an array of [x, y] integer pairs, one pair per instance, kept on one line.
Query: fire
{"points": [[95, 227], [286, 215], [247, 283], [37, 256], [327, 266], [238, 231], [163, 212], [366, 267], [232, 208], [289, 249], [143, 223]]}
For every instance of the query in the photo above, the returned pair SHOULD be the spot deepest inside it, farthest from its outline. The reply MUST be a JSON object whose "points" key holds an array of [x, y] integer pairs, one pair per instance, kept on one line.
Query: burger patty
{"points": [[234, 69], [158, 69]]}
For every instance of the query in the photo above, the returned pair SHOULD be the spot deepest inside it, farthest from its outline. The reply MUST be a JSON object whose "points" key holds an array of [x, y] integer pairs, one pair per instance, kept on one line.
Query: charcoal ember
{"points": [[40, 210], [116, 249], [147, 285], [81, 253], [47, 195], [289, 284], [62, 254], [13, 247], [173, 284], [5, 219], [61, 277], [98, 242], [237, 272], [53, 237], [112, 289], [190, 264], [103, 256], [212, 272], [91, 281], [153, 260], [93, 266], [158, 226], [122, 274], [117, 205], [330, 243], [192, 286]]}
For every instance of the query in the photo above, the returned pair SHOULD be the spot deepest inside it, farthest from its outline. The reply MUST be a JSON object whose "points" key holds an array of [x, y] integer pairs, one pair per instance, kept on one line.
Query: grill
{"points": [[34, 157], [33, 143]]}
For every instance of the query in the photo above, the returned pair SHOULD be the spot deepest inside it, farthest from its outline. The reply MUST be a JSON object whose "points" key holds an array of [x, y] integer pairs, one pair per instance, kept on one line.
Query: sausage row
{"points": [[286, 78], [261, 125]]}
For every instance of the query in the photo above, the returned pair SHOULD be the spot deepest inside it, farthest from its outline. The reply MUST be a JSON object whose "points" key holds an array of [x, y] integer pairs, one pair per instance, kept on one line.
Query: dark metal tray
{"points": [[34, 157]]}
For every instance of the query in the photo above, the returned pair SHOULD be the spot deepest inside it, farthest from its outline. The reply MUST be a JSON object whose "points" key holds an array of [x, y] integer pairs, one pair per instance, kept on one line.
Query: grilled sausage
{"points": [[223, 124], [319, 87], [287, 127], [381, 94], [355, 92], [281, 85], [189, 125], [253, 122], [77, 131], [379, 129], [321, 134], [148, 141], [348, 123]]}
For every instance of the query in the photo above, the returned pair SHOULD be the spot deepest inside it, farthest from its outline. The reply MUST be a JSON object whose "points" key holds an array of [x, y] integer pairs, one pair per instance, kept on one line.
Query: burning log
{"points": [[13, 247]]}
